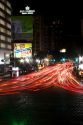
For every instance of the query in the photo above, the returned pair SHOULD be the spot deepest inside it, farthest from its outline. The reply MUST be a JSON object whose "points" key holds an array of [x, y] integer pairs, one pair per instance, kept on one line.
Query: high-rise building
{"points": [[55, 36], [47, 34], [38, 34], [5, 31]]}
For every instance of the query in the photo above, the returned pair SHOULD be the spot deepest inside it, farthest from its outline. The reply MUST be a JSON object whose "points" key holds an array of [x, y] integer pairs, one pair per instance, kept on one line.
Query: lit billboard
{"points": [[22, 28], [22, 50]]}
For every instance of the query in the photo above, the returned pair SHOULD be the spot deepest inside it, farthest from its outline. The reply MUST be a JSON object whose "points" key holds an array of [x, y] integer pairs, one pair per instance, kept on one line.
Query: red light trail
{"points": [[58, 75]]}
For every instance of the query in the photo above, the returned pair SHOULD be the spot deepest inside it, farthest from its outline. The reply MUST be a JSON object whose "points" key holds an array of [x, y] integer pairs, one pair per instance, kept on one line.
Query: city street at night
{"points": [[58, 75], [51, 95], [41, 63]]}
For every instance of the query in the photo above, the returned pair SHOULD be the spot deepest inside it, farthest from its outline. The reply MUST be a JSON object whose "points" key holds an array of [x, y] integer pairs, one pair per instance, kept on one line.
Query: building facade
{"points": [[38, 34], [47, 34], [5, 32]]}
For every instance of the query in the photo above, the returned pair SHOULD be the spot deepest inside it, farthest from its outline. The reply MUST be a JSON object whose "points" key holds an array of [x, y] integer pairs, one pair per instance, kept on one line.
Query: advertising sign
{"points": [[22, 28], [22, 50]]}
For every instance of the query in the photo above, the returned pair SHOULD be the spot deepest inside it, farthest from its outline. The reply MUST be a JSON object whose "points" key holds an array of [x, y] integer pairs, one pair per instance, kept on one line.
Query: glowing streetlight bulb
{"points": [[63, 50]]}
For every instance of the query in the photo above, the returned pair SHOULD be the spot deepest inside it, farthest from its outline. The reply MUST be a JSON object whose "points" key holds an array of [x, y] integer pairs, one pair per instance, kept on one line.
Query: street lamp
{"points": [[38, 61], [63, 50]]}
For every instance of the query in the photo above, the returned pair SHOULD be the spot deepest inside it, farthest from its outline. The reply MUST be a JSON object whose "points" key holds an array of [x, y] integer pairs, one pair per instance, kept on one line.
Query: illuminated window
{"points": [[8, 4], [2, 22], [8, 40], [8, 32], [3, 45], [2, 30], [2, 37], [8, 11], [2, 14], [9, 25], [2, 6], [9, 46]]}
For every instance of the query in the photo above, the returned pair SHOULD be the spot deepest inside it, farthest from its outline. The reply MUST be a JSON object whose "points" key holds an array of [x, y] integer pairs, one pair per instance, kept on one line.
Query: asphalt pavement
{"points": [[47, 107]]}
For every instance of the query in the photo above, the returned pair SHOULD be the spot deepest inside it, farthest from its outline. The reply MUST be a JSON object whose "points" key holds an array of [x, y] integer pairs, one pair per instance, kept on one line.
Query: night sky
{"points": [[48, 7], [70, 11]]}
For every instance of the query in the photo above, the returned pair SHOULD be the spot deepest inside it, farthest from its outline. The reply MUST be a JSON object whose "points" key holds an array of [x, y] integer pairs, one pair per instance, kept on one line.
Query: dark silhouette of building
{"points": [[52, 33], [47, 33]]}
